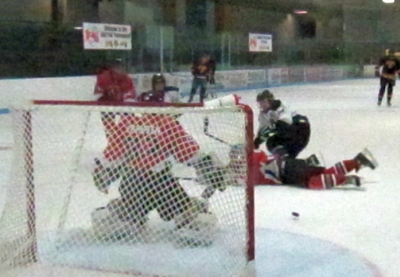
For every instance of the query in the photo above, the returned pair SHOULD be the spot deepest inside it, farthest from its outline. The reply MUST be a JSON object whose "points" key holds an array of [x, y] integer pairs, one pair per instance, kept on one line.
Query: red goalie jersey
{"points": [[148, 141]]}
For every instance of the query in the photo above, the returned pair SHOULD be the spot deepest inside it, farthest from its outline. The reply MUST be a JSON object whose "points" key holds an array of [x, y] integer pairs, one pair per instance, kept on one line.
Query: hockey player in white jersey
{"points": [[285, 132]]}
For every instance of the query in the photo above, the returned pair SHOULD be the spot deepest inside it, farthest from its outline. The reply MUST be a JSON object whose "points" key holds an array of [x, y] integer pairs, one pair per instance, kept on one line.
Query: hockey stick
{"points": [[207, 133], [177, 74], [187, 178]]}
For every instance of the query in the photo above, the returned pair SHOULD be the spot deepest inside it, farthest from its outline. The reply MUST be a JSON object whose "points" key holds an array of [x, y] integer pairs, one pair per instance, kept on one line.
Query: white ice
{"points": [[339, 232]]}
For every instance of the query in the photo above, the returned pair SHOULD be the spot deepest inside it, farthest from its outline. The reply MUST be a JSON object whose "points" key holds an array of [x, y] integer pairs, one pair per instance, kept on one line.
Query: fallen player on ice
{"points": [[273, 170]]}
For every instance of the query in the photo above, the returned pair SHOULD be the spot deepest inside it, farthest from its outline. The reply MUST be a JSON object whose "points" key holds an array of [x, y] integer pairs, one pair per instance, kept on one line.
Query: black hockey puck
{"points": [[295, 214]]}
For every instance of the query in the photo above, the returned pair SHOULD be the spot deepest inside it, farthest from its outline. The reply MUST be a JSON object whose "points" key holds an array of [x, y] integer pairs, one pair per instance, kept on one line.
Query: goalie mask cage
{"points": [[46, 226]]}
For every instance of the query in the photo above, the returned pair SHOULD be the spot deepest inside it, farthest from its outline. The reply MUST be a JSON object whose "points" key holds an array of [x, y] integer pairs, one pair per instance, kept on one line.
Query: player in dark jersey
{"points": [[203, 72], [388, 68], [160, 92], [284, 131]]}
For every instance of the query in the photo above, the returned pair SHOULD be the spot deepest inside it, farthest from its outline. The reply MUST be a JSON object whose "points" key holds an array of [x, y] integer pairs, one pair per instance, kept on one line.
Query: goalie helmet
{"points": [[265, 95]]}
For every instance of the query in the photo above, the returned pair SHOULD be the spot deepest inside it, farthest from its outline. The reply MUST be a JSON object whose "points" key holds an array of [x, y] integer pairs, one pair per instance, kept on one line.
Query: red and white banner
{"points": [[260, 42], [106, 36]]}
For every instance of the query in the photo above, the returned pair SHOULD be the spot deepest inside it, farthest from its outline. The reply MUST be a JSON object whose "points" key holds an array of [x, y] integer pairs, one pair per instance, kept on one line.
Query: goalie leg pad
{"points": [[198, 233], [106, 225]]}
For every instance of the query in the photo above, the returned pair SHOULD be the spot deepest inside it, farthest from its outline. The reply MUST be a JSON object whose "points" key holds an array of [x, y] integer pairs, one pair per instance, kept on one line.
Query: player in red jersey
{"points": [[271, 170], [139, 153], [113, 84]]}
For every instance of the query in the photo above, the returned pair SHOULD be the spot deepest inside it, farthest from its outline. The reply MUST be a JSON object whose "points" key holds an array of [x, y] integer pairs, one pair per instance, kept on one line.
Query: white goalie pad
{"points": [[202, 231], [107, 225]]}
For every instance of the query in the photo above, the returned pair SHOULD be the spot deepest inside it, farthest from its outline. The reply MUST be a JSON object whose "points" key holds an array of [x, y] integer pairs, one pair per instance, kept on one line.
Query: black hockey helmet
{"points": [[265, 95], [157, 78]]}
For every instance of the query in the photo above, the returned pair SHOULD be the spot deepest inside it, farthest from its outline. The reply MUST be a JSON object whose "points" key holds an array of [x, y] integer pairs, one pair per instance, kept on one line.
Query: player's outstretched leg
{"points": [[366, 159]]}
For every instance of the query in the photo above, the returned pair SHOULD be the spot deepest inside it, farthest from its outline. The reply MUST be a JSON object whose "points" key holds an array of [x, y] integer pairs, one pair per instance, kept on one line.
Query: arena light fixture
{"points": [[388, 1], [300, 12]]}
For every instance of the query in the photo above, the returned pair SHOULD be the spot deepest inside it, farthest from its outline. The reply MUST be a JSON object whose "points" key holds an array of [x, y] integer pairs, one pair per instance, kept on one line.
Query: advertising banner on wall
{"points": [[98, 36], [260, 42], [274, 76], [256, 77]]}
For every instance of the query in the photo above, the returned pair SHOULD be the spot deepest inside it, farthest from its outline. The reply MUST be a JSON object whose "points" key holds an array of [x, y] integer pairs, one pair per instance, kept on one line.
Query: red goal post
{"points": [[45, 219]]}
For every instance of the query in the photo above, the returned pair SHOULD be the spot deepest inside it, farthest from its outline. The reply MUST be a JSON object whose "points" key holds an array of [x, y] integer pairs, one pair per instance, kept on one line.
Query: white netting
{"points": [[139, 208]]}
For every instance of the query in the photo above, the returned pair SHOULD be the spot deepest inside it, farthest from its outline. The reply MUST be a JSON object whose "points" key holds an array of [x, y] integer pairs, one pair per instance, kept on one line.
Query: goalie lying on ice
{"points": [[139, 154]]}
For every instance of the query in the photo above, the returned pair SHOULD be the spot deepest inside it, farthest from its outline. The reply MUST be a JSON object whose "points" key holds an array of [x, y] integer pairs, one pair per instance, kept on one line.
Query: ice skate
{"points": [[389, 104], [366, 159], [313, 160], [379, 102], [353, 180]]}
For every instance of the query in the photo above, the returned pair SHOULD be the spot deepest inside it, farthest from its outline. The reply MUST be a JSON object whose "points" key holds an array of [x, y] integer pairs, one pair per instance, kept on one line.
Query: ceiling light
{"points": [[305, 12]]}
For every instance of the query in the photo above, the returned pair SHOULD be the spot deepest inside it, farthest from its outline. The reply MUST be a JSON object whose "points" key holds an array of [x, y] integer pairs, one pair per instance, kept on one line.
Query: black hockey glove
{"points": [[263, 135]]}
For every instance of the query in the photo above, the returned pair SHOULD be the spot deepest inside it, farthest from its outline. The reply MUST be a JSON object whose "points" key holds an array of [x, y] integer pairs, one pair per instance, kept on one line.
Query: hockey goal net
{"points": [[46, 224]]}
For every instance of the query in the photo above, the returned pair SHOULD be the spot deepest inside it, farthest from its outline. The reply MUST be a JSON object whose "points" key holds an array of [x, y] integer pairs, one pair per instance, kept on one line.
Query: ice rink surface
{"points": [[340, 232]]}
